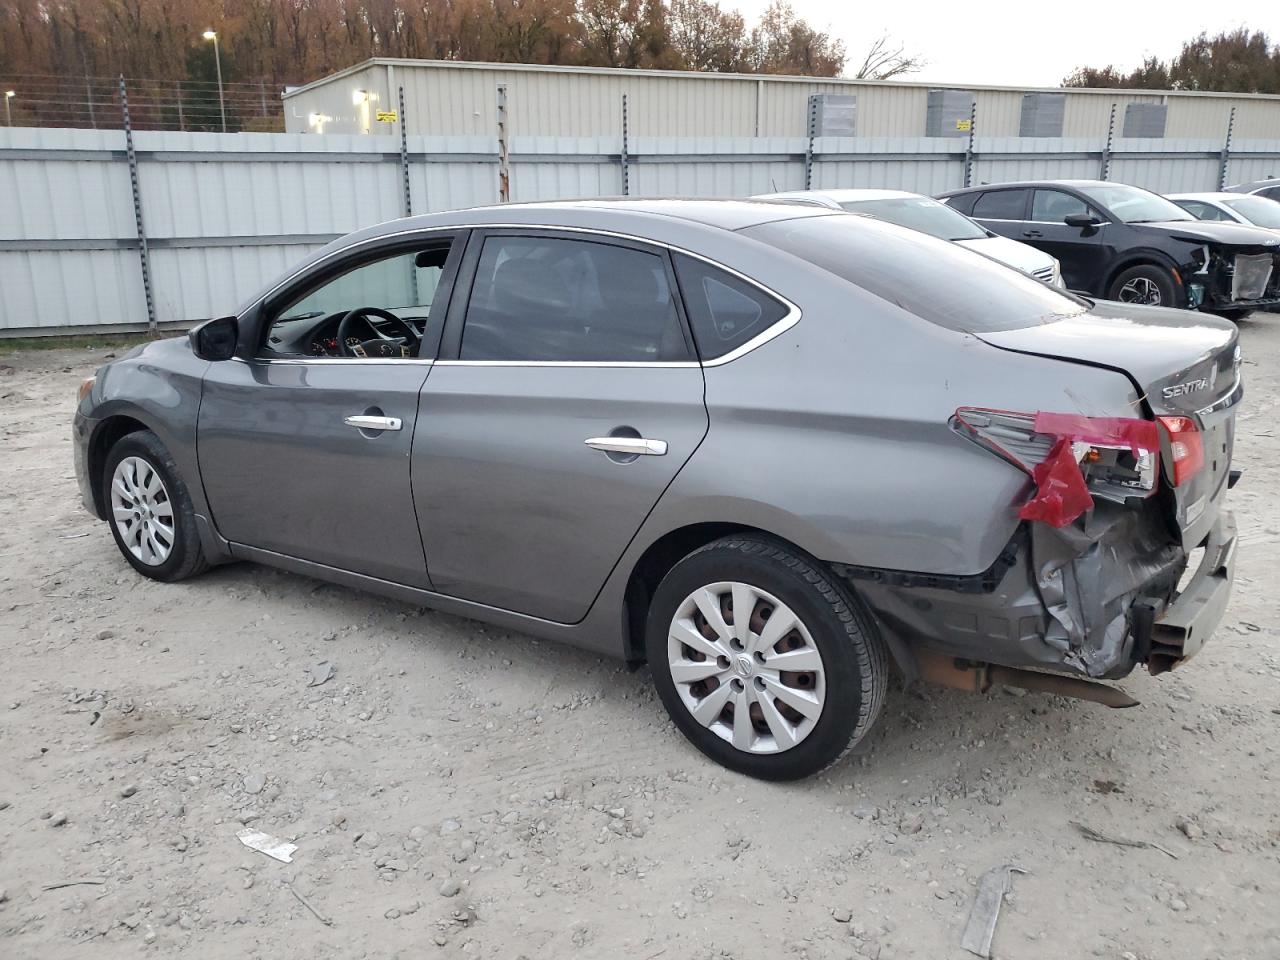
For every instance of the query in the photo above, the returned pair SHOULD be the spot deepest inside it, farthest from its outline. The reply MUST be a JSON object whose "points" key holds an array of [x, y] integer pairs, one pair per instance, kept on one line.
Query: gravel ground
{"points": [[456, 790]]}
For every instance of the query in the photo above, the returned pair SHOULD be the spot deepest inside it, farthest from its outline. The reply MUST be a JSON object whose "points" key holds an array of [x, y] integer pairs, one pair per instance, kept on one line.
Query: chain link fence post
{"points": [[1226, 151], [144, 255], [404, 157], [970, 157], [626, 165], [504, 159], [1106, 149], [812, 126]]}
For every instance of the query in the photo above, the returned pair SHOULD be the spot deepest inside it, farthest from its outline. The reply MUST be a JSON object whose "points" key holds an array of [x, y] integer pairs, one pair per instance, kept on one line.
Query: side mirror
{"points": [[215, 339], [1082, 220]]}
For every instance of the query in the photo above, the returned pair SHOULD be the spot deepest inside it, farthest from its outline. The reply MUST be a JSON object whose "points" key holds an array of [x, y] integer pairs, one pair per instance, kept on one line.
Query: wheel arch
{"points": [[654, 564], [1141, 258], [106, 435]]}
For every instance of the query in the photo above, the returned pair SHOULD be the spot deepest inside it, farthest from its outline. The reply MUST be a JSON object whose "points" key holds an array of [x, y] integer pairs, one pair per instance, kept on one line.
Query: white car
{"points": [[936, 219], [1247, 208]]}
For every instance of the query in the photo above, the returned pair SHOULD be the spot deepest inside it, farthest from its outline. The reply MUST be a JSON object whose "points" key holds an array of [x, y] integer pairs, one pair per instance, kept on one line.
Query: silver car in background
{"points": [[771, 450], [930, 216], [1226, 207]]}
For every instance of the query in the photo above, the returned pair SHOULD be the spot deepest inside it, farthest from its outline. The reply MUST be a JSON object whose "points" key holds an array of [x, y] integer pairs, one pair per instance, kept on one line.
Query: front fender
{"points": [[158, 386]]}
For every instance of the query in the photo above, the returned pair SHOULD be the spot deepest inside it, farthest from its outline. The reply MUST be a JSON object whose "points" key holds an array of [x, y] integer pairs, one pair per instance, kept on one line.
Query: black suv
{"points": [[1119, 242]]}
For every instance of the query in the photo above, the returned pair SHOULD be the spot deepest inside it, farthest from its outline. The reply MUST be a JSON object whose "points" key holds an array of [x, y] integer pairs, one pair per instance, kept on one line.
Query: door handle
{"points": [[633, 445], [1032, 233], [365, 422]]}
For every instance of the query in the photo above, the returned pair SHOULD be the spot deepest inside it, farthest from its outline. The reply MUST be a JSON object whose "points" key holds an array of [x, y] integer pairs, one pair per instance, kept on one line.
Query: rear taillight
{"points": [[1071, 458], [1186, 448]]}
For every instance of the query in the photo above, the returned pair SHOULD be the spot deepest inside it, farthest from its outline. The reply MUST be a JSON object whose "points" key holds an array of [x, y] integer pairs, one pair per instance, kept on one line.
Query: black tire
{"points": [[186, 554], [854, 660], [1157, 282], [1233, 315]]}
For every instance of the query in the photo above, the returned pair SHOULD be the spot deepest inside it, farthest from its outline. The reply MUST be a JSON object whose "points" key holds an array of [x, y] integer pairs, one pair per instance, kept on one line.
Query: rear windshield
{"points": [[920, 213], [935, 280], [1258, 210]]}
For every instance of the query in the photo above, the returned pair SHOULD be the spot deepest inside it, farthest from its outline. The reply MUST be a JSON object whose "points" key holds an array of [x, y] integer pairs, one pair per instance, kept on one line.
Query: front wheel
{"points": [[150, 511], [766, 663], [1146, 284]]}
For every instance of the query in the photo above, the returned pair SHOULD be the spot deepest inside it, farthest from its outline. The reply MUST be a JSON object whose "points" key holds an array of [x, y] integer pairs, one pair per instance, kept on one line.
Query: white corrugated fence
{"points": [[222, 214]]}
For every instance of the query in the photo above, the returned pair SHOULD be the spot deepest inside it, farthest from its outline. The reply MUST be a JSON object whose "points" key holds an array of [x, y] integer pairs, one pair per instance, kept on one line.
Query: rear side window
{"points": [[724, 311], [552, 299], [1001, 205], [937, 281]]}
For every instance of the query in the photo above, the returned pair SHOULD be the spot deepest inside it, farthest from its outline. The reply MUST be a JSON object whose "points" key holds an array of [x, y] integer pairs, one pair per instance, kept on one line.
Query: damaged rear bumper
{"points": [[1092, 599]]}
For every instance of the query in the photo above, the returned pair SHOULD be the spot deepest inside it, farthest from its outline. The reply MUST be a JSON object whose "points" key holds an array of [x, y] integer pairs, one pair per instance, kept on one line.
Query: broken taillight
{"points": [[1186, 448], [1071, 458]]}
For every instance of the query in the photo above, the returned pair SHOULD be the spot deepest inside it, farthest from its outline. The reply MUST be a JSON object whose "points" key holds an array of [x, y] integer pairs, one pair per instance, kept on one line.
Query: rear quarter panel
{"points": [[835, 434]]}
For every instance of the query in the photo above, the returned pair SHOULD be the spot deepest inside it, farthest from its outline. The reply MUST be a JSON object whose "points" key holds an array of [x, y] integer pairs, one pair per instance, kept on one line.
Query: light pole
{"points": [[8, 116], [217, 60]]}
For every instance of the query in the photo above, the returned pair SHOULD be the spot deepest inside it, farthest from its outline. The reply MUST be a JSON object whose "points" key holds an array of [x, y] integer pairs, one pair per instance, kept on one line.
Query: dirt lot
{"points": [[459, 791]]}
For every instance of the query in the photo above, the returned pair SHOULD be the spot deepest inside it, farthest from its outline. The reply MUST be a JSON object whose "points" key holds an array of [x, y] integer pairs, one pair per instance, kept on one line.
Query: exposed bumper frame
{"points": [[1181, 631]]}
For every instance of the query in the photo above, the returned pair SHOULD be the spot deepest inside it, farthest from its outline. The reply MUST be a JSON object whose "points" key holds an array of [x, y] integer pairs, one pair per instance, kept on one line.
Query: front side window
{"points": [[548, 299], [1001, 205], [725, 312], [393, 296], [920, 213], [1053, 206]]}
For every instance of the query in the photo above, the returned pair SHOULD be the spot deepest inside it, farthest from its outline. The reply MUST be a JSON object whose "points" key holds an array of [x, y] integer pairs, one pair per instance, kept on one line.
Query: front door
{"points": [[1080, 250], [571, 400], [304, 447]]}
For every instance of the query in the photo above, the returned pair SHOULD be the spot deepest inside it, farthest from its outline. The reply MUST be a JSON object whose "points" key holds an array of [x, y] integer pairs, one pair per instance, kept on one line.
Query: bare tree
{"points": [[884, 61]]}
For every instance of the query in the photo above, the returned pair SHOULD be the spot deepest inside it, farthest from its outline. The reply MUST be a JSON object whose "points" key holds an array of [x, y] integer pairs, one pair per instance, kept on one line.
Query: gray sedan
{"points": [[773, 451]]}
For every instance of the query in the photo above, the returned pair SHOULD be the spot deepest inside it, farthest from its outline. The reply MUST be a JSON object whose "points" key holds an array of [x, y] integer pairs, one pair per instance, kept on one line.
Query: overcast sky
{"points": [[1024, 44]]}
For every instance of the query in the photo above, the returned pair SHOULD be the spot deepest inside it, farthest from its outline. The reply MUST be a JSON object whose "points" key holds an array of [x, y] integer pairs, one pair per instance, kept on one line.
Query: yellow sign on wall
{"points": [[960, 124], [387, 116]]}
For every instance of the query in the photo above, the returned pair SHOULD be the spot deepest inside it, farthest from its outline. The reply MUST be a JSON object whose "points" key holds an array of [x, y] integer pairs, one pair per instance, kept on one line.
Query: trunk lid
{"points": [[1182, 364]]}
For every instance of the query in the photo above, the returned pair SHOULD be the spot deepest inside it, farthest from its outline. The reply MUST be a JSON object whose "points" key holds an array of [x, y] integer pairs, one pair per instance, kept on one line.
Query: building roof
{"points": [[754, 77]]}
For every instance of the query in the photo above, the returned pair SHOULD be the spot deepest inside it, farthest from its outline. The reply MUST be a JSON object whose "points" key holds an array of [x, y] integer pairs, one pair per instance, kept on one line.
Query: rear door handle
{"points": [[365, 422], [635, 445], [1032, 233]]}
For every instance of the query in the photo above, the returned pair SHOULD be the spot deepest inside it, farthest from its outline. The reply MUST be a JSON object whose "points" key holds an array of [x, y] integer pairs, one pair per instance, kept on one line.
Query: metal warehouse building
{"points": [[457, 98]]}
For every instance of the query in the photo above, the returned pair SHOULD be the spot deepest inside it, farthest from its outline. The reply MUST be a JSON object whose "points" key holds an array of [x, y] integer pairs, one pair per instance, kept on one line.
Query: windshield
{"points": [[1257, 210], [945, 284], [920, 213], [1134, 205]]}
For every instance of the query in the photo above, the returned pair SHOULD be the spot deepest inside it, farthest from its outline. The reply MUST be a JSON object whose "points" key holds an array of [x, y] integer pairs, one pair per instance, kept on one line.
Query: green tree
{"points": [[1238, 61]]}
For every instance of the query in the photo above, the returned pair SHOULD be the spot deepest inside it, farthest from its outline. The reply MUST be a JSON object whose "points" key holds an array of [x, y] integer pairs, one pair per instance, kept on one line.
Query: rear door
{"points": [[1004, 212], [566, 400], [1081, 250]]}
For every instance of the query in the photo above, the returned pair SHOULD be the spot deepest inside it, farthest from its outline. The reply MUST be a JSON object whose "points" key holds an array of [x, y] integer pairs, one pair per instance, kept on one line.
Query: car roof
{"points": [[1254, 185], [1215, 195], [1075, 184], [613, 213], [840, 196]]}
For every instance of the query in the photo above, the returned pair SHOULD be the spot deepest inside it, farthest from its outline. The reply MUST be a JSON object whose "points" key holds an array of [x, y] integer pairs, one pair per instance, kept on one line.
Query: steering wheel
{"points": [[379, 346]]}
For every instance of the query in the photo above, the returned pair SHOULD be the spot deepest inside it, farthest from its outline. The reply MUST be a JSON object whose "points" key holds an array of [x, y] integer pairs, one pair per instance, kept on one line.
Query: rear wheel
{"points": [[1233, 314], [1146, 283], [766, 663], [150, 511]]}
